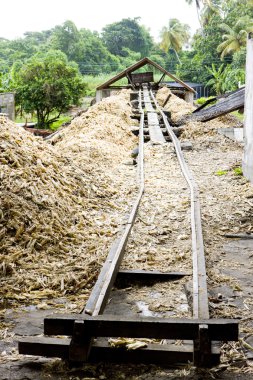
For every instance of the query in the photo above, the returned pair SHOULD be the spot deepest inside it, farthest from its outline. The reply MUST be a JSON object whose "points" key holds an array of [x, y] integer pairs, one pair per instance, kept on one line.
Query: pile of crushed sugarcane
{"points": [[61, 204]]}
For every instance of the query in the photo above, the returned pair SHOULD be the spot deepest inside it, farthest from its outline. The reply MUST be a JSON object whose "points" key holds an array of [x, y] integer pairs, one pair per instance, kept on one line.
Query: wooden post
{"points": [[247, 164], [99, 96], [189, 97]]}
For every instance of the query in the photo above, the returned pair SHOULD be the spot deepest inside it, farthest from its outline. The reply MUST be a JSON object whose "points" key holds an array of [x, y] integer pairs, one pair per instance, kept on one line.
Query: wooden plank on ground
{"points": [[164, 355], [101, 350], [145, 275], [149, 106], [142, 327], [44, 346], [155, 132], [225, 105]]}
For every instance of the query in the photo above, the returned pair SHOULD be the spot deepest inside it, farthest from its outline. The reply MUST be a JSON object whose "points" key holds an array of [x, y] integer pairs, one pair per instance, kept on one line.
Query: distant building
{"points": [[200, 89], [7, 104]]}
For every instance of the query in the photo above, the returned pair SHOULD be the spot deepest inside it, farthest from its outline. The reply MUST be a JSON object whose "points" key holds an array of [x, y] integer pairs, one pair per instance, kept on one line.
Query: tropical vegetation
{"points": [[214, 56], [47, 84]]}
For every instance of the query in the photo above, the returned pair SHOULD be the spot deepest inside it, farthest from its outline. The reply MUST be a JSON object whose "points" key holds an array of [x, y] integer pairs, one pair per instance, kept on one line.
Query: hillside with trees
{"points": [[214, 55]]}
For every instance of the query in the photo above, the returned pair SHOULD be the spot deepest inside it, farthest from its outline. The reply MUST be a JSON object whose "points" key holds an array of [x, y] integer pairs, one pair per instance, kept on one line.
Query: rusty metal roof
{"points": [[136, 66]]}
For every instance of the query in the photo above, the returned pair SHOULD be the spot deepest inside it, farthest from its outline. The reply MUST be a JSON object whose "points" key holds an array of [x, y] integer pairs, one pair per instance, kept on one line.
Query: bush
{"points": [[202, 100]]}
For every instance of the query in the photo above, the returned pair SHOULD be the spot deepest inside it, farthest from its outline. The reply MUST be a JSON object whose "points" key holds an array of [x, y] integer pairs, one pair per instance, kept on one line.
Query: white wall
{"points": [[247, 163]]}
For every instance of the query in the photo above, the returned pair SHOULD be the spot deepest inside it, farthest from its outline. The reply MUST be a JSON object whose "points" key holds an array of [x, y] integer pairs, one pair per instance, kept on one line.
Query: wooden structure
{"points": [[136, 79], [226, 103], [247, 164]]}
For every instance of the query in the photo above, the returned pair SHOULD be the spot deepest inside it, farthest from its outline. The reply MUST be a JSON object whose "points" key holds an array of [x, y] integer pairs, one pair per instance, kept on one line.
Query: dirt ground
{"points": [[161, 240]]}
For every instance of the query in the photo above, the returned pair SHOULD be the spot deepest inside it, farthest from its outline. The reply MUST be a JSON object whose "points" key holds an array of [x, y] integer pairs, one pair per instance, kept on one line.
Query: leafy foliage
{"points": [[47, 83], [235, 37], [217, 80], [216, 56], [127, 33], [174, 36]]}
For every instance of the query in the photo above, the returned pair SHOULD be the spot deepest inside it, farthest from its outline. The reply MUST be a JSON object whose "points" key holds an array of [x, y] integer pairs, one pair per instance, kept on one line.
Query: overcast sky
{"points": [[19, 16]]}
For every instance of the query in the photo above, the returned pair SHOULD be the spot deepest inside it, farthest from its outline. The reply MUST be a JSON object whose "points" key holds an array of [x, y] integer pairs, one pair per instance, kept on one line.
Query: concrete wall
{"points": [[247, 163], [189, 97], [7, 104], [101, 94]]}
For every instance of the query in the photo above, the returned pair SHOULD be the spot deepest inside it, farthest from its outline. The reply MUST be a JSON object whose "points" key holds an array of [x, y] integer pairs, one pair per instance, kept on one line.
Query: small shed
{"points": [[7, 104], [200, 89], [135, 79]]}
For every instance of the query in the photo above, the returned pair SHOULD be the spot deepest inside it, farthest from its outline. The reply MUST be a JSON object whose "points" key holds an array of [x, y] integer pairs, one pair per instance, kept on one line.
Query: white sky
{"points": [[19, 16]]}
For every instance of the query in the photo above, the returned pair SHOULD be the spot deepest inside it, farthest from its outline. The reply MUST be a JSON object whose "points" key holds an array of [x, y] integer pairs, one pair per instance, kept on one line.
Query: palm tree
{"points": [[174, 36], [217, 80], [197, 3], [206, 11], [235, 38]]}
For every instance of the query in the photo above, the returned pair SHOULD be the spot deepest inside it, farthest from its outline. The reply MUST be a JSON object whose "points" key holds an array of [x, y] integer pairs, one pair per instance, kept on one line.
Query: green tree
{"points": [[65, 38], [129, 58], [127, 33], [209, 9], [47, 84], [197, 4], [205, 9], [233, 78], [235, 37], [174, 36], [203, 52], [92, 56]]}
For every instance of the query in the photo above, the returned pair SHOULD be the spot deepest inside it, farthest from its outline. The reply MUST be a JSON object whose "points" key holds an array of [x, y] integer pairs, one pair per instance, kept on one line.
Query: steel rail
{"points": [[200, 295], [100, 292]]}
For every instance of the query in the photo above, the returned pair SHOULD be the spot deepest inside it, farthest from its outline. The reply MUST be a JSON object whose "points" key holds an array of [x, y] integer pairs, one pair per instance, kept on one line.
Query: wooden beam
{"points": [[230, 103], [156, 135], [101, 350], [162, 77], [166, 100], [130, 81], [160, 354], [202, 355], [141, 327], [100, 292], [204, 105], [44, 346], [148, 276]]}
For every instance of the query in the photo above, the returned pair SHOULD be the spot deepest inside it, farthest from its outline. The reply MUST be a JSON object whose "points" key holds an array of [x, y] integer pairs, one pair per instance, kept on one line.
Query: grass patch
{"points": [[238, 170], [239, 116], [221, 172], [57, 124], [203, 99], [23, 119], [94, 81], [54, 126]]}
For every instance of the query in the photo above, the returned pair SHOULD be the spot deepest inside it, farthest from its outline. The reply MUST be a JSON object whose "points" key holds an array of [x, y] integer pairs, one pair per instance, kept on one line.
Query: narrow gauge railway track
{"points": [[85, 335]]}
